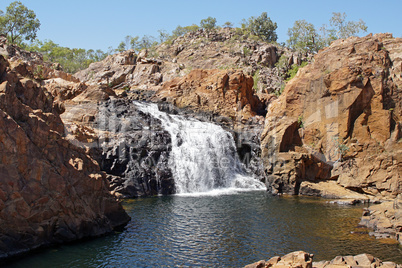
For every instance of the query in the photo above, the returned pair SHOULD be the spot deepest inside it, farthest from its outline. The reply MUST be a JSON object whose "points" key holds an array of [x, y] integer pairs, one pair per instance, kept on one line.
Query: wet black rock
{"points": [[133, 150]]}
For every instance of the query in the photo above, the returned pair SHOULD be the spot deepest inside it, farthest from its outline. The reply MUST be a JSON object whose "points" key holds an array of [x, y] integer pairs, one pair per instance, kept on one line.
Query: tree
{"points": [[19, 23], [262, 27], [2, 22], [302, 36], [163, 35], [228, 24], [208, 23], [147, 42], [125, 44], [72, 60], [340, 28], [134, 43], [345, 29], [179, 31]]}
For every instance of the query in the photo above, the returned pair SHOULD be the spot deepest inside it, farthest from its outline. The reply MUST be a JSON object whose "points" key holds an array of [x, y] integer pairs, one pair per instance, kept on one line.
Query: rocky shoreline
{"points": [[385, 219], [303, 259]]}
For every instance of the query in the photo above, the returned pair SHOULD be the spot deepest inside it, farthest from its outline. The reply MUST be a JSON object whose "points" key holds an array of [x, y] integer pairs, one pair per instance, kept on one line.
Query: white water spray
{"points": [[203, 157]]}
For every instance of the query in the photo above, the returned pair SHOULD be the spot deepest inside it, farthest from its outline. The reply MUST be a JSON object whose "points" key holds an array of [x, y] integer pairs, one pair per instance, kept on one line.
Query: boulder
{"points": [[111, 71], [295, 259]]}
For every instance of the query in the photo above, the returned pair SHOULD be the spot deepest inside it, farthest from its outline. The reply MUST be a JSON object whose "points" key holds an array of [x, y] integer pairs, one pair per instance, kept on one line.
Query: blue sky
{"points": [[101, 24]]}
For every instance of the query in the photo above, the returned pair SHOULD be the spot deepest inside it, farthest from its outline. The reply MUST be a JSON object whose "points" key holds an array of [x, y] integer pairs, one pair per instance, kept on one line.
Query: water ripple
{"points": [[221, 231]]}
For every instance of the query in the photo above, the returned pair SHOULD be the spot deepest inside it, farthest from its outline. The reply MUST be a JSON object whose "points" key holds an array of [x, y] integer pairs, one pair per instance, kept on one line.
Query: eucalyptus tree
{"points": [[19, 23], [262, 27]]}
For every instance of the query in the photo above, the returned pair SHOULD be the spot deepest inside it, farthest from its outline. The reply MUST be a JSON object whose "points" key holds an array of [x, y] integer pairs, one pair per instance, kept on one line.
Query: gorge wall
{"points": [[51, 191], [338, 123]]}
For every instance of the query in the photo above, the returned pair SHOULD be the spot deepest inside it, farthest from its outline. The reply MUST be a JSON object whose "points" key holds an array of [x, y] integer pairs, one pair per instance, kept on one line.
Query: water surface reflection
{"points": [[221, 231]]}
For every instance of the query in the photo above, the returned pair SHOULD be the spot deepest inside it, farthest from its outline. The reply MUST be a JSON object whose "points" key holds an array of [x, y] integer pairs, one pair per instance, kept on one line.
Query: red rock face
{"points": [[50, 190], [347, 109], [225, 92]]}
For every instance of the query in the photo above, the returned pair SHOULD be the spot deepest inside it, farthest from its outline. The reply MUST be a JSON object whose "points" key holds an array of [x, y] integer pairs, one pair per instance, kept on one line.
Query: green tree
{"points": [[228, 24], [163, 35], [125, 44], [134, 43], [208, 23], [72, 60], [262, 27], [345, 29], [302, 36], [340, 28], [2, 22], [179, 31], [121, 47], [147, 42], [19, 23]]}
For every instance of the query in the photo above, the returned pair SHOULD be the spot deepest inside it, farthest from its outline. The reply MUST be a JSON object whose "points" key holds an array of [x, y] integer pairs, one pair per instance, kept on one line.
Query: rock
{"points": [[130, 146], [303, 259], [259, 264], [144, 74], [62, 90], [364, 259], [111, 71], [227, 93], [332, 190], [51, 191], [333, 121], [385, 219], [31, 64], [295, 259]]}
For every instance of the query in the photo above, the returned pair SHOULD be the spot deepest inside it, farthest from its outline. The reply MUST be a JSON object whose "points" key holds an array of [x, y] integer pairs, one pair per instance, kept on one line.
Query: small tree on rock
{"points": [[302, 36], [262, 27], [228, 24], [19, 23], [208, 23], [340, 28]]}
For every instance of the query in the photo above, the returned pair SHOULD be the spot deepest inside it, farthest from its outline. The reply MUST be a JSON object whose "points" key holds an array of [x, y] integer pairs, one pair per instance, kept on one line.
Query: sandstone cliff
{"points": [[339, 120], [50, 190]]}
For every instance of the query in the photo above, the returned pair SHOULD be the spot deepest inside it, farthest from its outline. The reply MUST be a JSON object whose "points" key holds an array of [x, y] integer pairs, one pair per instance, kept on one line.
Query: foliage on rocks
{"points": [[208, 23], [71, 59], [262, 26], [304, 37]]}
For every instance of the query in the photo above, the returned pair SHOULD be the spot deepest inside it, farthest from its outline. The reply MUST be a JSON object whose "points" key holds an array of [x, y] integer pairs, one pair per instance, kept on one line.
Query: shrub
{"points": [[256, 79], [293, 71]]}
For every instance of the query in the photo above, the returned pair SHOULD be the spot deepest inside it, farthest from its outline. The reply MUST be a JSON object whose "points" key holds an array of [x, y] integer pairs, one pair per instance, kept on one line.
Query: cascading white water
{"points": [[203, 157]]}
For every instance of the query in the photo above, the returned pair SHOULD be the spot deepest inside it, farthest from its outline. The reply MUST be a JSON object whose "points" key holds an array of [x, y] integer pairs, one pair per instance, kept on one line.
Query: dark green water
{"points": [[221, 231]]}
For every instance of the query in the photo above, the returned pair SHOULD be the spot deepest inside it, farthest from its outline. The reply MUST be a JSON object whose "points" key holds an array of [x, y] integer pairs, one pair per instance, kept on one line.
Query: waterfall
{"points": [[203, 157]]}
